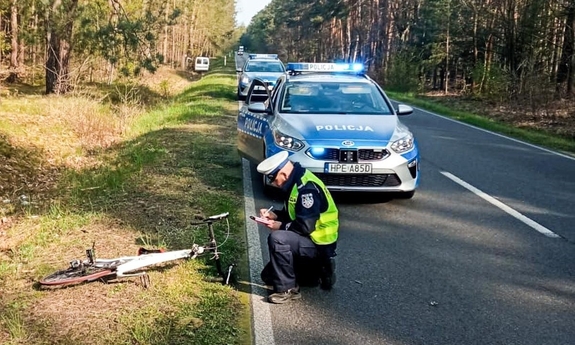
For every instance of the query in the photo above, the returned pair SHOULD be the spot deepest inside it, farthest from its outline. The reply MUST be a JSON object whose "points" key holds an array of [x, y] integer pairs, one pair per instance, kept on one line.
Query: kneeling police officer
{"points": [[306, 228]]}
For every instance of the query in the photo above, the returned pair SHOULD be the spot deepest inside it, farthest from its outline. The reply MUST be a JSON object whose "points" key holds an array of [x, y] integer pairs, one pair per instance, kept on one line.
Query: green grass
{"points": [[173, 163], [536, 137], [12, 320]]}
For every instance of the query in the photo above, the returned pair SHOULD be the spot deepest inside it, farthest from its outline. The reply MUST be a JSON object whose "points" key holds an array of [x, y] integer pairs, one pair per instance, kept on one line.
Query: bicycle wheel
{"points": [[75, 276]]}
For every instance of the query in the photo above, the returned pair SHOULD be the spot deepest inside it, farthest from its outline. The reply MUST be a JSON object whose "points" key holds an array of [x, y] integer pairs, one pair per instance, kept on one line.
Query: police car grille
{"points": [[375, 180], [372, 155], [363, 154]]}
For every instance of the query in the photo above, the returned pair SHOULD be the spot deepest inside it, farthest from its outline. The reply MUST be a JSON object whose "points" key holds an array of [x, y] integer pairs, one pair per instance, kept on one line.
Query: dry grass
{"points": [[73, 315], [50, 144], [44, 134], [556, 116]]}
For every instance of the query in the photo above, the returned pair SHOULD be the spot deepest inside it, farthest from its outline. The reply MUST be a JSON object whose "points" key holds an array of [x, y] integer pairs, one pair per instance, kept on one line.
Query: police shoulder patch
{"points": [[307, 200]]}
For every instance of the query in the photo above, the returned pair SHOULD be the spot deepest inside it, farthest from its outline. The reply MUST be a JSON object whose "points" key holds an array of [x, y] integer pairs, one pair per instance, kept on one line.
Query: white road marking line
{"points": [[528, 221]]}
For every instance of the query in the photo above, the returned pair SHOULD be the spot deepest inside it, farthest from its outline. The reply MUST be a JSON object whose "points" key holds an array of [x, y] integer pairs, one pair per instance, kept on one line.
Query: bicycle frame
{"points": [[128, 265], [133, 266]]}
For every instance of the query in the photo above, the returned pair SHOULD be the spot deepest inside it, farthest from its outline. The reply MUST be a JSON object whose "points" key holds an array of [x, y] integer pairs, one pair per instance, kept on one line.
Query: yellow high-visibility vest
{"points": [[326, 227]]}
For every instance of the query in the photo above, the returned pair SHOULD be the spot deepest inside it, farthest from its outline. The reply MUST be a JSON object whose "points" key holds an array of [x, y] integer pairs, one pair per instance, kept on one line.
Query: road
{"points": [[483, 253]]}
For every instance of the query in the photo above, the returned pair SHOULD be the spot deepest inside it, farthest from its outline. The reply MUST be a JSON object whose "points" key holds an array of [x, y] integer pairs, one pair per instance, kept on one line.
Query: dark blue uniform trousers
{"points": [[285, 249]]}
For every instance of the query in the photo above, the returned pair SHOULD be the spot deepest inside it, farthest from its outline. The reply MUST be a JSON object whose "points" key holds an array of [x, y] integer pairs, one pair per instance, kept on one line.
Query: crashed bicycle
{"points": [[94, 269]]}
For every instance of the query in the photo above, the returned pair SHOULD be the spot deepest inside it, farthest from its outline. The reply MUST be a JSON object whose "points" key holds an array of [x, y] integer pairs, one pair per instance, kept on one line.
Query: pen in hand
{"points": [[268, 210]]}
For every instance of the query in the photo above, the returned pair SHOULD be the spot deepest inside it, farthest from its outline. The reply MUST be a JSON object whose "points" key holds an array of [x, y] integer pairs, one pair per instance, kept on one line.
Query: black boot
{"points": [[266, 275], [328, 277], [307, 271]]}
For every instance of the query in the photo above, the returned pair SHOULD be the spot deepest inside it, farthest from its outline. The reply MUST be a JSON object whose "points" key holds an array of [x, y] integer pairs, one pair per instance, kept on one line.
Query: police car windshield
{"points": [[264, 66], [333, 98]]}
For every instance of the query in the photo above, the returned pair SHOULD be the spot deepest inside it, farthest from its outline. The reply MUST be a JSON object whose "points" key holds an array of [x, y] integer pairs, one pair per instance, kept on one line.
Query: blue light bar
{"points": [[267, 56], [325, 67]]}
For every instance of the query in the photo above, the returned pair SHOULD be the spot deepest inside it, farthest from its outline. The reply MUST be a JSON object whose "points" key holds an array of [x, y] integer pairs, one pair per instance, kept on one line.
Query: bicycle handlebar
{"points": [[218, 216], [211, 219]]}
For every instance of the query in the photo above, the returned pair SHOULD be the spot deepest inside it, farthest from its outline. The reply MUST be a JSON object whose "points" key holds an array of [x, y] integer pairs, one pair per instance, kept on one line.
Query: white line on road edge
{"points": [[263, 331], [502, 206]]}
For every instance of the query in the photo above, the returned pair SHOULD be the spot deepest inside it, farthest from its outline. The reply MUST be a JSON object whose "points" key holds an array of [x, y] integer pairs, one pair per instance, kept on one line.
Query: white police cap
{"points": [[273, 163]]}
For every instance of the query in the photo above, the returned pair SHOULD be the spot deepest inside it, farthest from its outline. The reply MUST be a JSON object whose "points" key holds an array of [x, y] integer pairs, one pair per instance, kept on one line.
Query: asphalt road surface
{"points": [[482, 254]]}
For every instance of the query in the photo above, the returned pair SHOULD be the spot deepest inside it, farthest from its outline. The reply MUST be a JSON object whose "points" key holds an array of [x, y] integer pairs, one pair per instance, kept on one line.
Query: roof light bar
{"points": [[269, 56], [325, 67]]}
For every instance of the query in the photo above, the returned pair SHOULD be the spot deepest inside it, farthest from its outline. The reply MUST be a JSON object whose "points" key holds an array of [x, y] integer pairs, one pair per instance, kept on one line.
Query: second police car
{"points": [[266, 67], [337, 122]]}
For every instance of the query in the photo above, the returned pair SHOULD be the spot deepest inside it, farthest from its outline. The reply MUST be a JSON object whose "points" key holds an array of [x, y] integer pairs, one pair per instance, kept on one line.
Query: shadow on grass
{"points": [[211, 90], [162, 180], [194, 160], [16, 89], [24, 174], [172, 177]]}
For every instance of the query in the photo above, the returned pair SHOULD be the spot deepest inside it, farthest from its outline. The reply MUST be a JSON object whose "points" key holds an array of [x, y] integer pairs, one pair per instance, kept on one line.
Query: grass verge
{"points": [[534, 136], [138, 180]]}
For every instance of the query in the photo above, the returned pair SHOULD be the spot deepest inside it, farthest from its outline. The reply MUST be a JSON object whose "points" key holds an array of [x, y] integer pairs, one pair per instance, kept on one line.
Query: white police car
{"points": [[336, 122], [266, 67]]}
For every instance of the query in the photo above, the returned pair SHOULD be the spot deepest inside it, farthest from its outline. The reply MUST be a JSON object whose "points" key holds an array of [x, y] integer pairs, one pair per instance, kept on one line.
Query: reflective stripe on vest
{"points": [[327, 225]]}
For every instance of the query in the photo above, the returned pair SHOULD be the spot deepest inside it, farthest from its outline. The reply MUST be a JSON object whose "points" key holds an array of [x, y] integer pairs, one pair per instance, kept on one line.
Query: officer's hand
{"points": [[269, 215], [274, 225]]}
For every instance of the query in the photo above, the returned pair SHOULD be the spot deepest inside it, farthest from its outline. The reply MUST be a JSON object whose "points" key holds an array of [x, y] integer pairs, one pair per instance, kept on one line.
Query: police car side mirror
{"points": [[258, 108], [403, 109], [238, 70]]}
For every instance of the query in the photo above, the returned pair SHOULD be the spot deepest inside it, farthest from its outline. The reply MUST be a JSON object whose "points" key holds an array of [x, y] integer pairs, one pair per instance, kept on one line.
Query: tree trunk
{"points": [[166, 32], [446, 89], [13, 77], [566, 70], [475, 43], [58, 38]]}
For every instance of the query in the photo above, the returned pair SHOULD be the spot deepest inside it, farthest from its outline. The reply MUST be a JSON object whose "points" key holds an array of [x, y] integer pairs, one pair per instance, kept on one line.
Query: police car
{"points": [[266, 67], [337, 122]]}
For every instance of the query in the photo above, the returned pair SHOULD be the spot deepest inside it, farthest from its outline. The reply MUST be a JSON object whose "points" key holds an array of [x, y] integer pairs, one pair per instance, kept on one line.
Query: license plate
{"points": [[343, 168]]}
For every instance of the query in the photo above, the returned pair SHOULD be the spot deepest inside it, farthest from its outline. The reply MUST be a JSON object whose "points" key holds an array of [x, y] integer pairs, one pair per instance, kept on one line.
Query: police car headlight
{"points": [[403, 145], [287, 142], [245, 80]]}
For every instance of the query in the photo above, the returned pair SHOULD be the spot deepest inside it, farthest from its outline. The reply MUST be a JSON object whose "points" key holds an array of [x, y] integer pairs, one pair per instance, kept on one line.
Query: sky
{"points": [[247, 9]]}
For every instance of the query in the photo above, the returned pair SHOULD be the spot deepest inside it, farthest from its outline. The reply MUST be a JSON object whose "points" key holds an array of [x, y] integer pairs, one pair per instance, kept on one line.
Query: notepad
{"points": [[260, 220]]}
